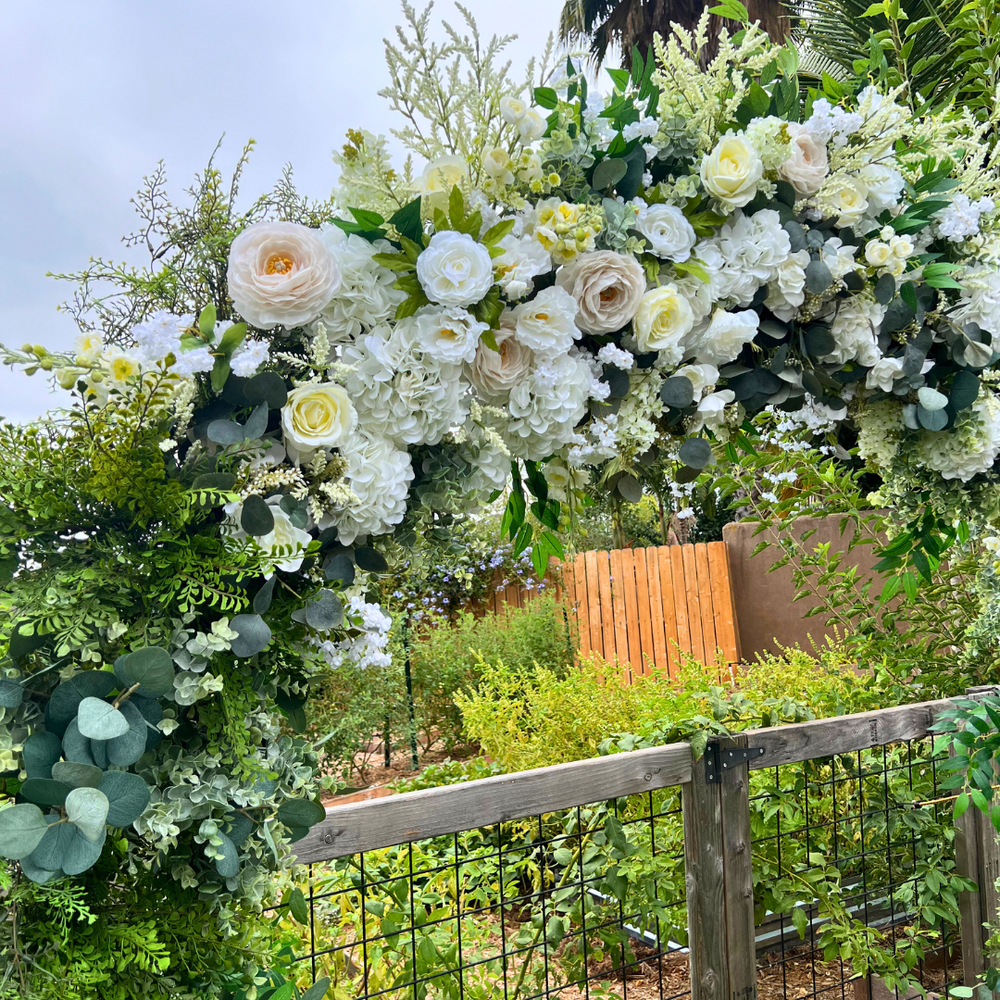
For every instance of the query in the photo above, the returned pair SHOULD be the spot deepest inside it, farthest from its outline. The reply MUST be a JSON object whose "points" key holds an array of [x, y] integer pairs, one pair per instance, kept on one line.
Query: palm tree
{"points": [[628, 23]]}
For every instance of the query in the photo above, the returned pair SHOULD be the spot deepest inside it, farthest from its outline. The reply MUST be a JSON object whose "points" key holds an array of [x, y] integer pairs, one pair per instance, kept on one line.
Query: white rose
{"points": [[317, 415], [512, 110], [725, 336], [607, 287], [849, 200], [877, 253], [495, 373], [667, 231], [441, 175], [522, 260], [884, 374], [455, 270], [547, 324], [901, 246], [711, 410], [531, 126], [280, 273], [807, 164], [731, 171], [497, 164], [700, 376], [450, 335], [663, 320], [883, 186]]}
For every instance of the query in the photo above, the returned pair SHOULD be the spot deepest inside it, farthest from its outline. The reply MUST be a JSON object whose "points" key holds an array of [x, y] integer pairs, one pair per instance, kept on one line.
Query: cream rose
{"points": [[318, 415], [441, 175], [807, 164], [877, 253], [731, 171], [280, 273], [607, 286], [450, 335], [663, 320], [512, 109], [547, 324], [455, 270], [495, 373], [667, 232], [848, 198]]}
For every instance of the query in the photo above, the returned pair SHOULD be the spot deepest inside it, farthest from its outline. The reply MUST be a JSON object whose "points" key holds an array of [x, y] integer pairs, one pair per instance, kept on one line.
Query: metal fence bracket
{"points": [[718, 759]]}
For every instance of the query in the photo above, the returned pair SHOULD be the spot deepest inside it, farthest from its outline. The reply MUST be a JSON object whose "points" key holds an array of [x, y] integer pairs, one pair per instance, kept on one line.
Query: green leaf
{"points": [[408, 222], [125, 750], [227, 864], [318, 990], [366, 219], [76, 774], [731, 9], [99, 720], [51, 851], [11, 693], [225, 432], [371, 560], [267, 387], [298, 907], [40, 752], [232, 339], [254, 635], [256, 426], [67, 696], [220, 372], [222, 481], [128, 796], [82, 852], [885, 289], [256, 517], [150, 667], [87, 810], [206, 323], [341, 568], [44, 792], [262, 599], [21, 830], [301, 813], [677, 391], [800, 921], [695, 453], [609, 172], [546, 98], [324, 611]]}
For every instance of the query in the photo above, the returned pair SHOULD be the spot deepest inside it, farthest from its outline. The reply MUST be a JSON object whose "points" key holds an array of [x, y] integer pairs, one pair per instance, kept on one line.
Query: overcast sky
{"points": [[98, 92]]}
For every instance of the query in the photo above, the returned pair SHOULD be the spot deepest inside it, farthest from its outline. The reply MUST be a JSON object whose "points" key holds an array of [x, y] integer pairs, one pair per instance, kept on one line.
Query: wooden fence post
{"points": [[703, 863], [738, 878]]}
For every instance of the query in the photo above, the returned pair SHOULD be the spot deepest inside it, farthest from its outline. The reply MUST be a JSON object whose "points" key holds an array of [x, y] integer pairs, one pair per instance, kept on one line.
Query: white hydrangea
{"points": [[751, 249], [609, 354], [961, 218], [399, 390], [368, 649], [854, 324], [831, 122], [378, 474], [980, 299], [546, 406], [970, 447], [366, 296], [636, 431], [250, 355], [198, 359], [158, 336]]}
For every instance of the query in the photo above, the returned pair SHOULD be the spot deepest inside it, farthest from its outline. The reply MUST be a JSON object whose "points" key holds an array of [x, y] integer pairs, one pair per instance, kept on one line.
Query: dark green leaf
{"points": [[225, 432], [818, 277], [609, 172], [11, 693], [964, 389], [254, 635], [21, 830], [677, 391], [227, 864], [150, 667], [370, 560], [128, 796], [223, 481], [256, 425], [301, 812], [340, 567], [262, 599], [41, 751], [630, 488], [256, 517], [298, 906], [325, 611], [77, 774], [696, 453], [67, 696], [125, 750], [408, 222], [267, 387], [885, 289], [51, 850], [546, 97], [44, 792], [82, 852]]}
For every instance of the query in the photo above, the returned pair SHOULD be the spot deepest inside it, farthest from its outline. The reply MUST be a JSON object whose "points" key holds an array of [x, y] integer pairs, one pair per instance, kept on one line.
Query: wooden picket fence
{"points": [[645, 606]]}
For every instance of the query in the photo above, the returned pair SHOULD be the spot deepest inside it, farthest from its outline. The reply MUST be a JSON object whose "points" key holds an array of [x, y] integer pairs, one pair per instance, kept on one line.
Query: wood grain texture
{"points": [[594, 604], [669, 605], [703, 864], [843, 734], [605, 570], [967, 834], [696, 643], [676, 555], [706, 603], [433, 812], [580, 603], [722, 601], [619, 612], [738, 878], [642, 596], [658, 611], [631, 611]]}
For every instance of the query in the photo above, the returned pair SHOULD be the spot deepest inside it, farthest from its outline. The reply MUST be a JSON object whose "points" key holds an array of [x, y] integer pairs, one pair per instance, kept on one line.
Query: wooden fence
{"points": [[718, 854], [644, 606]]}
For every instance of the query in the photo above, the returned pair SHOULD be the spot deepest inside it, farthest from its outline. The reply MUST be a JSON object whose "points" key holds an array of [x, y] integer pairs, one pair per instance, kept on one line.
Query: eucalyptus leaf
{"points": [[256, 425], [301, 812], [225, 432], [256, 518], [150, 667], [214, 481], [76, 746], [609, 172], [630, 488], [100, 720], [240, 827], [340, 567], [885, 289], [125, 750], [325, 611], [677, 391], [44, 792], [818, 277], [77, 774], [267, 387], [37, 874], [51, 850], [227, 864], [11, 693], [254, 635], [932, 420], [87, 810], [152, 712], [128, 796], [370, 560], [82, 852], [40, 752], [21, 830], [262, 599], [695, 453], [67, 696], [964, 389]]}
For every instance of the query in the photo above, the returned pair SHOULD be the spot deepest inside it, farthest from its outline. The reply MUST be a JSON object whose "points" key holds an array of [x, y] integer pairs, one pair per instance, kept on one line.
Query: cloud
{"points": [[104, 90]]}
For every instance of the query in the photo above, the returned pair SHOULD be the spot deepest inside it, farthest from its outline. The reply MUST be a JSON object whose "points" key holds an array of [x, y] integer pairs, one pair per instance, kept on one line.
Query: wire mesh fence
{"points": [[855, 844], [583, 902]]}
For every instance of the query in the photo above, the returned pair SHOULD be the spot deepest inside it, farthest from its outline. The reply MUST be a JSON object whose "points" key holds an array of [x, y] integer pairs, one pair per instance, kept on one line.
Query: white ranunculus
{"points": [[316, 415], [732, 171], [700, 377], [723, 339], [441, 175], [884, 374], [450, 335], [495, 373], [786, 291], [663, 320], [283, 547], [607, 287], [667, 231], [531, 126], [807, 164], [512, 109], [280, 273], [455, 270], [877, 253], [547, 324], [522, 260], [711, 410]]}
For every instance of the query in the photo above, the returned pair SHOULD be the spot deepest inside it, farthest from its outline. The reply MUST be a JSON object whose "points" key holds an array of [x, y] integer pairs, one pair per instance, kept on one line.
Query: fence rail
{"points": [[656, 793]]}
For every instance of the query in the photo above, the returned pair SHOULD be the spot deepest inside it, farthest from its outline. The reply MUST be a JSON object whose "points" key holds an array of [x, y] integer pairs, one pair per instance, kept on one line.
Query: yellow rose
{"points": [[731, 171], [664, 318], [318, 415]]}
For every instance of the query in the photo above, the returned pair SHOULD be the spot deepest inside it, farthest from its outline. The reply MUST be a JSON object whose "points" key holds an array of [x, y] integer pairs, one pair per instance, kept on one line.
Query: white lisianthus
{"points": [[667, 232], [732, 171], [607, 287], [884, 374], [807, 164], [495, 373], [787, 290], [711, 411], [455, 270], [497, 164], [547, 324], [522, 260], [280, 273], [450, 335], [283, 547], [725, 336], [700, 377], [441, 175], [316, 415], [512, 109], [662, 322], [531, 126]]}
